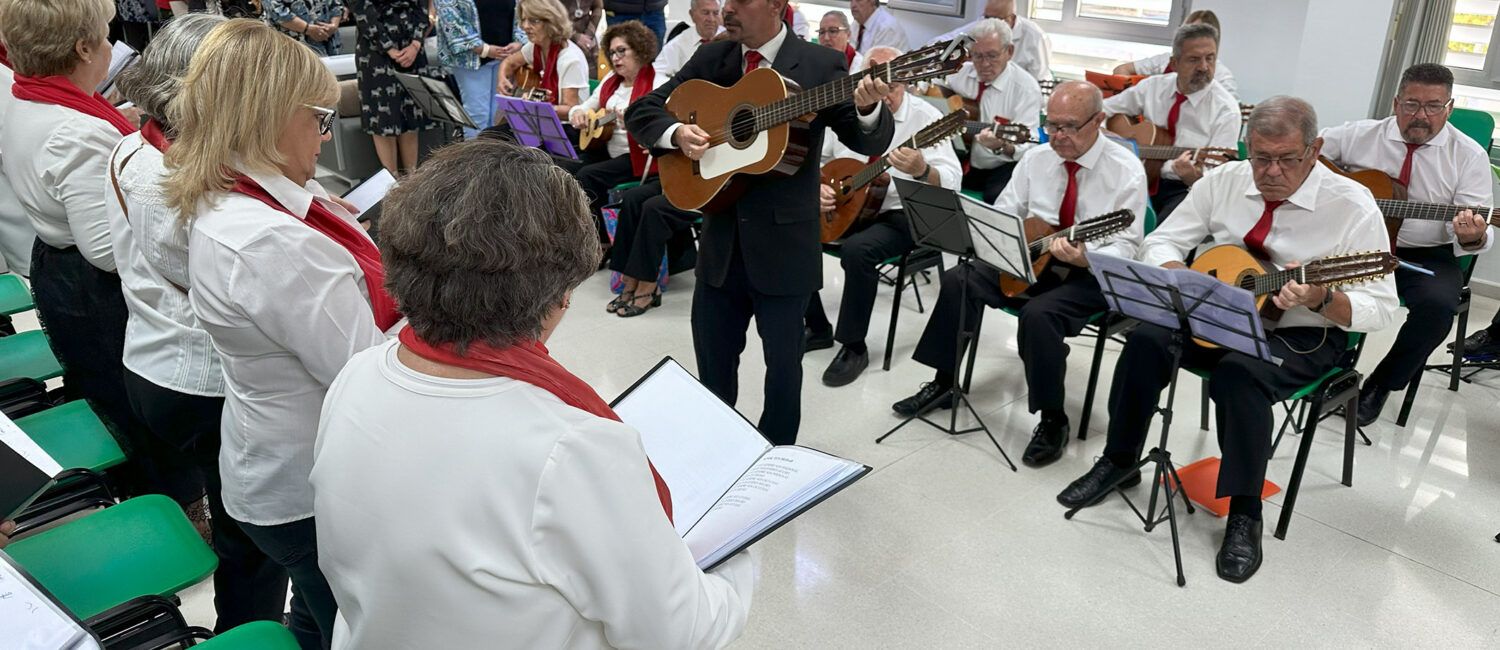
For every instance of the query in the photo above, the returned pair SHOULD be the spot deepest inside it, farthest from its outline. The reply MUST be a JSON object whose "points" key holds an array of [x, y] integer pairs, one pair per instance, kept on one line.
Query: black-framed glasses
{"points": [[619, 51], [326, 117], [1063, 128], [1261, 163], [1411, 106]]}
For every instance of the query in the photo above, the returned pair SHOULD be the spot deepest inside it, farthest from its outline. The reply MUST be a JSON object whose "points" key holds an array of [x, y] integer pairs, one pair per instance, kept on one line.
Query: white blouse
{"points": [[618, 144], [572, 66], [286, 307], [163, 342], [16, 233], [57, 161], [518, 522]]}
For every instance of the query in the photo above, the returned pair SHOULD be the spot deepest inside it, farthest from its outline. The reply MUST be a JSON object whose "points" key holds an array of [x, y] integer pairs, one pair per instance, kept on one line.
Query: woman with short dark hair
{"points": [[468, 487]]}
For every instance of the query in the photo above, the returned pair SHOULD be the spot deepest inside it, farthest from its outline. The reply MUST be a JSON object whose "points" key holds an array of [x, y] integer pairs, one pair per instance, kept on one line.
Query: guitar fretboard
{"points": [[928, 136], [1329, 272], [1083, 232], [1161, 152], [812, 101], [1432, 211]]}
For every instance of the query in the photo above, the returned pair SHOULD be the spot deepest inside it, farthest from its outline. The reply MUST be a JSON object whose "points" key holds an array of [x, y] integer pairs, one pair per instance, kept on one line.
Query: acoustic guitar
{"points": [[1236, 266], [1390, 196], [1003, 128], [859, 188], [1154, 146], [597, 130], [761, 124], [1039, 236], [528, 85]]}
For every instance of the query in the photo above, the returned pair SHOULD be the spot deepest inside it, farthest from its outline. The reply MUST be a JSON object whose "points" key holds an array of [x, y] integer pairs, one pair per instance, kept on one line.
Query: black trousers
{"points": [[1056, 307], [294, 546], [989, 182], [1169, 194], [1244, 391], [877, 240], [83, 312], [721, 315], [1431, 303], [597, 174], [647, 223], [248, 586]]}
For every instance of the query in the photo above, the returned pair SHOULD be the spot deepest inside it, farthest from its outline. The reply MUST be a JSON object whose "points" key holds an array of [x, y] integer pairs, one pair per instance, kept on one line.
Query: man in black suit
{"points": [[762, 256]]}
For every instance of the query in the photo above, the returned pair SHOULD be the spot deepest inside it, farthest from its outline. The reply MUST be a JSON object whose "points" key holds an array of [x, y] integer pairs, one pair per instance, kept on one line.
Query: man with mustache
{"points": [[1194, 109], [1162, 63], [1438, 164], [1285, 207]]}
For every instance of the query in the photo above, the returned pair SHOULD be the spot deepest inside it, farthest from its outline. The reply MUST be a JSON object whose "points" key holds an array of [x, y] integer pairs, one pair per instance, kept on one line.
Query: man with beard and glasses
{"points": [[1193, 108], [1438, 164]]}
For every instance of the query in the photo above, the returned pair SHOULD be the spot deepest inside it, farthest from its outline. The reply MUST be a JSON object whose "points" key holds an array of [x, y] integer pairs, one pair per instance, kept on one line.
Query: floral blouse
{"points": [[458, 34], [311, 11]]}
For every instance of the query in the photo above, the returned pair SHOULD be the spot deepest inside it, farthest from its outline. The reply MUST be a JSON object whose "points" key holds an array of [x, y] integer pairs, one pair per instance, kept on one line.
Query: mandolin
{"points": [[1234, 265], [859, 188], [1003, 128], [762, 124], [1153, 144], [598, 129], [1390, 196], [1039, 235]]}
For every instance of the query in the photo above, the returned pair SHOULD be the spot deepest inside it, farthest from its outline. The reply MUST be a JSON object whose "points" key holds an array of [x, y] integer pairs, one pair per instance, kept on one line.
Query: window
{"points": [[1475, 65], [1144, 21]]}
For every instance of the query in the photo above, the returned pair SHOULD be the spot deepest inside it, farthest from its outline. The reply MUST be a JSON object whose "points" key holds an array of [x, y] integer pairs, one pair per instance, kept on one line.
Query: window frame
{"points": [[1490, 75], [1076, 25]]}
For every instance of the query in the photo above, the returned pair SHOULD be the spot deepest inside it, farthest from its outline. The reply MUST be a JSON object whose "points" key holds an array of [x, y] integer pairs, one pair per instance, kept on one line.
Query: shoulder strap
{"points": [[114, 182]]}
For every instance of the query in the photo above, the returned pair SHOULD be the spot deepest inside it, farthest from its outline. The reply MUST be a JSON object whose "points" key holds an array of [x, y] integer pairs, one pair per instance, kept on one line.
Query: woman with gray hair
{"points": [[531, 514], [172, 374]]}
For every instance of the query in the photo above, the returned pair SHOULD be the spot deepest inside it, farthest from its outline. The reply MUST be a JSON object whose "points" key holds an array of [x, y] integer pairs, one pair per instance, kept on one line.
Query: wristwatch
{"points": [[1327, 300], [927, 171]]}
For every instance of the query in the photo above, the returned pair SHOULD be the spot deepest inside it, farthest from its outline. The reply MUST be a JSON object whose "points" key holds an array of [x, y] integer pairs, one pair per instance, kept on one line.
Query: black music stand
{"points": [[938, 222], [1183, 301], [535, 124], [437, 100]]}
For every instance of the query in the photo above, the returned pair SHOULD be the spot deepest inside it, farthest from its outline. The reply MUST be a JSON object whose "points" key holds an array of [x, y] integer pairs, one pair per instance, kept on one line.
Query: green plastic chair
{"points": [[260, 635], [74, 436], [14, 296], [27, 354], [1479, 125], [142, 547], [593, 85]]}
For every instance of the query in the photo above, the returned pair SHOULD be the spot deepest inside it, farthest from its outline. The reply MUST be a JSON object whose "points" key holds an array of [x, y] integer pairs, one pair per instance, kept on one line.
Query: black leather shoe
{"points": [[813, 341], [846, 366], [1371, 400], [1048, 440], [930, 393], [1479, 344], [1239, 557], [1091, 487]]}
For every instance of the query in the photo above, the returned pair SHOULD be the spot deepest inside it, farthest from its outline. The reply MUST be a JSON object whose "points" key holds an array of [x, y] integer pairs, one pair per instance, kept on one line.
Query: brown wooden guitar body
{"points": [[1036, 228], [1144, 133], [1381, 185], [713, 108], [850, 204], [1232, 265], [594, 136], [528, 85]]}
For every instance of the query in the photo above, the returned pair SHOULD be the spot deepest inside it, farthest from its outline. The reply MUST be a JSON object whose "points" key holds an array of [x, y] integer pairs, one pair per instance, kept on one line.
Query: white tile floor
{"points": [[942, 546]]}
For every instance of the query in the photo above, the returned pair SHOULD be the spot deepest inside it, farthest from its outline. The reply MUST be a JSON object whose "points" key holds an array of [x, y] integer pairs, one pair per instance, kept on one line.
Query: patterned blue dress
{"points": [[312, 11]]}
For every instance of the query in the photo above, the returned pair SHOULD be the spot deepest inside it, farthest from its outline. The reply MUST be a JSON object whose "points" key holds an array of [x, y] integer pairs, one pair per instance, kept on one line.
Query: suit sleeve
{"points": [[647, 118], [859, 134]]}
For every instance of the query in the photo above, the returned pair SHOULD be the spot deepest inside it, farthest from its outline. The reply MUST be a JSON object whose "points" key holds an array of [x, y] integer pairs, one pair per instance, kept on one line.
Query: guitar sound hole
{"points": [[742, 125]]}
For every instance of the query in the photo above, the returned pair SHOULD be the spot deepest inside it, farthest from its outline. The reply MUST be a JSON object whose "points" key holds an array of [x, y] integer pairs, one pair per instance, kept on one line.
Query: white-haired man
{"points": [[707, 24], [1004, 92], [1032, 52]]}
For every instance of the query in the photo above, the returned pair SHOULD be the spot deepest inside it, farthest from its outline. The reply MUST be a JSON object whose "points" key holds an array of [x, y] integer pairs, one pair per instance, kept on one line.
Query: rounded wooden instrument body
{"points": [[595, 136], [850, 203], [1235, 266], [1144, 133], [1035, 228]]}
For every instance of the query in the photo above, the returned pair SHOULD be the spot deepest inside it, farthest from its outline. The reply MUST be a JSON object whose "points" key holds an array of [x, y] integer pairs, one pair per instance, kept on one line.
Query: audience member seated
{"points": [[391, 33], [1162, 63], [172, 374], [57, 139], [707, 23], [284, 281], [473, 62], [531, 516], [994, 89], [870, 242], [314, 23], [631, 49], [876, 26], [833, 32], [559, 66], [1033, 54], [16, 233]]}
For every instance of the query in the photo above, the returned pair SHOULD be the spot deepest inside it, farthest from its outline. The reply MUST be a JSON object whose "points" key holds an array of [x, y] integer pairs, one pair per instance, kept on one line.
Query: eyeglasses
{"points": [[1058, 128], [831, 31], [1411, 107], [326, 116], [984, 56], [1261, 163], [532, 21], [619, 51]]}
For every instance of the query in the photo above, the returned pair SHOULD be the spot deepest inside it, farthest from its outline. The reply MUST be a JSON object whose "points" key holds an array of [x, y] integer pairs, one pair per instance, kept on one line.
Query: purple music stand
{"points": [[535, 124]]}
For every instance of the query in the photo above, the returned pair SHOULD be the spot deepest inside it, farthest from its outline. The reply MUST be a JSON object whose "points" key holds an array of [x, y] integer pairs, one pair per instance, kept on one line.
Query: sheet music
{"points": [[121, 56], [698, 444], [12, 436], [341, 65], [31, 620], [999, 239], [371, 191]]}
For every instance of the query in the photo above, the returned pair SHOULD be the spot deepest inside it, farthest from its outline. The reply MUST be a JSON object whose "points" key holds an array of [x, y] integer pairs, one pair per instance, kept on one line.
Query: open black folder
{"points": [[26, 470], [730, 487]]}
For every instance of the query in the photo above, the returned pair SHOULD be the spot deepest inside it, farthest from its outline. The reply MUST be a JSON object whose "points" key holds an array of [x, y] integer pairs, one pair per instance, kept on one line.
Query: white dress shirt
{"points": [[913, 116], [618, 144], [677, 51], [881, 29], [1033, 54], [549, 532], [1013, 95], [1209, 117], [16, 233], [1451, 169], [1328, 215], [1109, 178], [164, 343], [572, 67], [57, 160], [1157, 64], [286, 307]]}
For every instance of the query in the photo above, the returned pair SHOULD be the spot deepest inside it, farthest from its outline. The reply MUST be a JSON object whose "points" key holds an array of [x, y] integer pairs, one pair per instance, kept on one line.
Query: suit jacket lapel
{"points": [[789, 56]]}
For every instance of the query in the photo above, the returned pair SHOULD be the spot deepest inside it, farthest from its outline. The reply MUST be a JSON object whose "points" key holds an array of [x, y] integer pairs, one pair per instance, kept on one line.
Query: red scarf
{"points": [[547, 68], [529, 362], [345, 234], [4, 56], [644, 80], [59, 91], [151, 132], [849, 53]]}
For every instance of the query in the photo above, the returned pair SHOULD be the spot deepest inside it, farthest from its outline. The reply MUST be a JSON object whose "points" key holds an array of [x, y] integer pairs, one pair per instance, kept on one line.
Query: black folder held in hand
{"points": [[730, 487]]}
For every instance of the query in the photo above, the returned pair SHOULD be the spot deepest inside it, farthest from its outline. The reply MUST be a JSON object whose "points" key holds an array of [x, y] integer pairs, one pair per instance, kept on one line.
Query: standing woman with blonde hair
{"points": [[57, 138], [284, 281]]}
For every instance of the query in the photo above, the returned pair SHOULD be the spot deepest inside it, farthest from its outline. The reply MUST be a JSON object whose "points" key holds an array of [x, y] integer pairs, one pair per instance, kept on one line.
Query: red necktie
{"points": [[1070, 196], [1405, 177], [701, 41], [982, 87], [752, 60], [1255, 240], [1174, 113]]}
